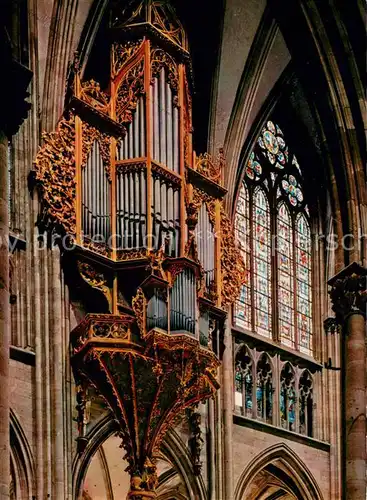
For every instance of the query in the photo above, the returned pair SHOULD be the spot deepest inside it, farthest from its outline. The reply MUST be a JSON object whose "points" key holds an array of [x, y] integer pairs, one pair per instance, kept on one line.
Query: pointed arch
{"points": [[22, 462], [244, 381], [305, 402], [288, 397], [281, 461], [172, 449]]}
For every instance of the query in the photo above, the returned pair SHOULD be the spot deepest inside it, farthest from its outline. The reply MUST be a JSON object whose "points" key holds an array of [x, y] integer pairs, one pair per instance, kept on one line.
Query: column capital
{"points": [[348, 292]]}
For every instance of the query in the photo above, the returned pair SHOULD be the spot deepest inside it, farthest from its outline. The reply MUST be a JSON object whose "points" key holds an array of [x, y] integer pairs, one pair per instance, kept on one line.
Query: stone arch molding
{"points": [[173, 449], [294, 466], [21, 459]]}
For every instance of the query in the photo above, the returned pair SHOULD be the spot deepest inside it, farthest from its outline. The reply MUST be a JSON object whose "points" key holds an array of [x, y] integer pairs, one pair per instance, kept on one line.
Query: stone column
{"points": [[227, 367], [4, 321], [348, 294]]}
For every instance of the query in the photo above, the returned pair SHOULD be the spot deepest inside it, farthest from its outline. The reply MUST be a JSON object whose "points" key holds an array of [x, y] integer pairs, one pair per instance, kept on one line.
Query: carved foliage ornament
{"points": [[92, 94], [160, 59], [95, 279], [123, 255], [129, 91], [232, 264], [91, 275], [121, 53], [55, 173], [193, 207], [210, 168], [90, 135], [139, 305]]}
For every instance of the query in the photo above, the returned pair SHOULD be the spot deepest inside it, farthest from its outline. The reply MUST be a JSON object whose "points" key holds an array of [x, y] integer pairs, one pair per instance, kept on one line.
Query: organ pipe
{"points": [[131, 209], [133, 144], [95, 197], [183, 302], [165, 124], [157, 311]]}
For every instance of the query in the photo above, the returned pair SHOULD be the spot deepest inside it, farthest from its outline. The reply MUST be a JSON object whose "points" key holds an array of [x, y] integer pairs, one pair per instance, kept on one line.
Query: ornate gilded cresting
{"points": [[154, 263]]}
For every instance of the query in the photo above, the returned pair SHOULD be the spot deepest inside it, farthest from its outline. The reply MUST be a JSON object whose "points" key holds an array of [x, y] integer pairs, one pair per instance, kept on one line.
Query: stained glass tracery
{"points": [[262, 263], [272, 220], [285, 276]]}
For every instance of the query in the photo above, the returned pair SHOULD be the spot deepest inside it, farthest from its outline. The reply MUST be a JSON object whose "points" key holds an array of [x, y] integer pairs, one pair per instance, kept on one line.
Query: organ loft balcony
{"points": [[146, 244]]}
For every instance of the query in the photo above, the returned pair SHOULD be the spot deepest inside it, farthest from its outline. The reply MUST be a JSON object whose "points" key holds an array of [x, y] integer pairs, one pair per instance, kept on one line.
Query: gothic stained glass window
{"points": [[272, 227]]}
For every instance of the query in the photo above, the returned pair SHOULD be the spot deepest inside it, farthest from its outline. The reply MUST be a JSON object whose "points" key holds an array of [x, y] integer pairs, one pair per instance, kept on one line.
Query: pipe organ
{"points": [[152, 239]]}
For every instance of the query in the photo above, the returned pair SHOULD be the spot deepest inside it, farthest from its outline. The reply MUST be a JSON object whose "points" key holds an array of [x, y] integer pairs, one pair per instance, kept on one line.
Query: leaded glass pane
{"points": [[242, 310], [285, 276], [303, 292], [262, 263]]}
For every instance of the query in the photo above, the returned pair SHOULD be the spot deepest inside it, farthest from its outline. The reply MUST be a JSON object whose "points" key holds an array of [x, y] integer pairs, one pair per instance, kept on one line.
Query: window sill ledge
{"points": [[286, 352], [24, 356], [279, 431]]}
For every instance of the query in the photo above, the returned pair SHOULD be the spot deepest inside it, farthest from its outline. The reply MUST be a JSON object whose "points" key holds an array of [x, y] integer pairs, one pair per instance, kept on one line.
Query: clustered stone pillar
{"points": [[227, 367], [348, 294], [13, 110], [4, 321]]}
